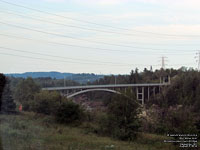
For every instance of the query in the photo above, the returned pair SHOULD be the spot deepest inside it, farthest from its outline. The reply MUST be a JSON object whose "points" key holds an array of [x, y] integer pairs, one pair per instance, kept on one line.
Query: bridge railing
{"points": [[105, 86]]}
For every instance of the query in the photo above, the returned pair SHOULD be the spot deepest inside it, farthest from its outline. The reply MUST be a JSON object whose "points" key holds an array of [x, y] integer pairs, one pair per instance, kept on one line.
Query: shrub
{"points": [[181, 120], [45, 102], [176, 119], [122, 120], [68, 112]]}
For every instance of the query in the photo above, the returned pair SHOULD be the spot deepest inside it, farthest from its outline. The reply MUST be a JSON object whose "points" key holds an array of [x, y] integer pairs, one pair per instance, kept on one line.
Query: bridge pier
{"points": [[140, 95], [131, 90], [154, 91]]}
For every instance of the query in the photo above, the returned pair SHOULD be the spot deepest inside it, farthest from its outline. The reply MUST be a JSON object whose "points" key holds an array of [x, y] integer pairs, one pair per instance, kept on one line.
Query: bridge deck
{"points": [[105, 86]]}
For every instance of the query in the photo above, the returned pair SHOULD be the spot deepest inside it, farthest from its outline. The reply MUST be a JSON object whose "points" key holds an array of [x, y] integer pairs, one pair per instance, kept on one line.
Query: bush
{"points": [[122, 119], [176, 119], [68, 112], [181, 120], [45, 102], [52, 103]]}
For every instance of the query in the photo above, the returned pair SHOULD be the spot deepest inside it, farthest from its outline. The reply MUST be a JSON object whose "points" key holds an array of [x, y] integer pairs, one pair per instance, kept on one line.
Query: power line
{"points": [[91, 41], [66, 36], [72, 26], [88, 22], [95, 30], [85, 47], [63, 44], [96, 61], [189, 63], [114, 63], [47, 59]]}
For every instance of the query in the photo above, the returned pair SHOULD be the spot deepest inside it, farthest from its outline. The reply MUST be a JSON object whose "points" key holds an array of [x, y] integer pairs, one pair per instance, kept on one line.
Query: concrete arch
{"points": [[90, 90]]}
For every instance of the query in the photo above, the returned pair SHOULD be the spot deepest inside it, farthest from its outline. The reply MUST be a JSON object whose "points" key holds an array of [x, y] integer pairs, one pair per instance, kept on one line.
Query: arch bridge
{"points": [[143, 91]]}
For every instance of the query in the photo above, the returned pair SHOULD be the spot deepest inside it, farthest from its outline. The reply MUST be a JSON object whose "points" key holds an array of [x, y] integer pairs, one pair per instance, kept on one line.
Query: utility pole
{"points": [[64, 81], [198, 60]]}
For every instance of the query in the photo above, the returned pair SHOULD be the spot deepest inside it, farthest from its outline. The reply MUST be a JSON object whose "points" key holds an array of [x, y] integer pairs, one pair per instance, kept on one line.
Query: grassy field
{"points": [[29, 131]]}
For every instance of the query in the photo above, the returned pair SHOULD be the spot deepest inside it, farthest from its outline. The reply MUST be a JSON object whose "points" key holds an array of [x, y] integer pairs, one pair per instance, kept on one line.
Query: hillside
{"points": [[29, 131], [80, 77]]}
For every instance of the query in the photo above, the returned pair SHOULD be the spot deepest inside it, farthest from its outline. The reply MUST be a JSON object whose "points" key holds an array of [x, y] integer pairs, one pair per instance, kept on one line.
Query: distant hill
{"points": [[81, 77]]}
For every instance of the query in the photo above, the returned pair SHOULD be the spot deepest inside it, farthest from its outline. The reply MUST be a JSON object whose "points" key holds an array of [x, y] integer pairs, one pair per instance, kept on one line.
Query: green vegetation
{"points": [[178, 105], [53, 82], [30, 131], [48, 79], [136, 76], [8, 104], [68, 112], [122, 119], [50, 119], [25, 91], [45, 102], [48, 103], [176, 109], [2, 84]]}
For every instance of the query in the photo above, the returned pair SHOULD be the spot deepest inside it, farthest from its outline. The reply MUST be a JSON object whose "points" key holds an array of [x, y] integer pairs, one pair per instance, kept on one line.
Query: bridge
{"points": [[143, 91]]}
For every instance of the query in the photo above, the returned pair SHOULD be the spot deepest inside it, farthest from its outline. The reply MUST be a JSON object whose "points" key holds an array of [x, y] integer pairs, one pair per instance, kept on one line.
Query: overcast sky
{"points": [[97, 36]]}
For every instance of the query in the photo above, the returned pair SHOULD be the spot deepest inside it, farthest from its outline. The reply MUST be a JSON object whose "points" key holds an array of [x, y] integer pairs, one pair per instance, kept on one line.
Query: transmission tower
{"points": [[163, 76], [163, 60], [198, 59]]}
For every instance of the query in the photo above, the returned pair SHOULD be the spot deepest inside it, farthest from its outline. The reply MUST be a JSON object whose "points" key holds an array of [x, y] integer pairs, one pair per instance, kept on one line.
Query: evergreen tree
{"points": [[2, 84], [8, 104], [131, 77]]}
